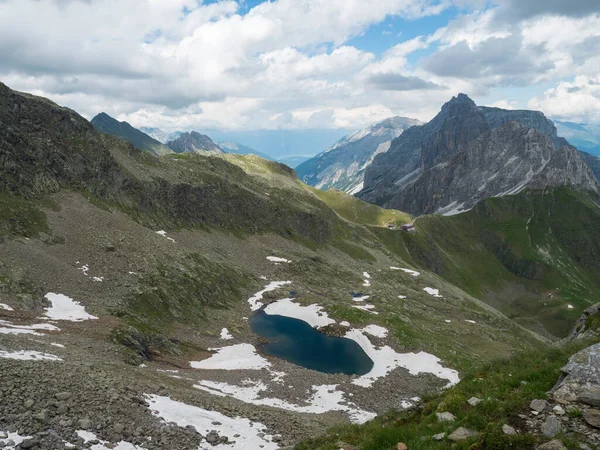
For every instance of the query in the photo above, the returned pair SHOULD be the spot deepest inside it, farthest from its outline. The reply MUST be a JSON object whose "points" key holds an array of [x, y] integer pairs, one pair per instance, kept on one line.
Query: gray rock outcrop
{"points": [[468, 153]]}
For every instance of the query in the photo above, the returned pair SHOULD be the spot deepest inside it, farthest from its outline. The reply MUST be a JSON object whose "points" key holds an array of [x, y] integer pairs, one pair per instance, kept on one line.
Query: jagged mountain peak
{"points": [[193, 142], [467, 153]]}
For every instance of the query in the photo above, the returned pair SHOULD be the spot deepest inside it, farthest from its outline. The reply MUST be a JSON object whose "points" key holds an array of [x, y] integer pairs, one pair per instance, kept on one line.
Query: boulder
{"points": [[507, 429], [461, 434], [590, 396], [551, 427], [538, 405], [552, 445], [474, 401], [445, 417], [592, 417]]}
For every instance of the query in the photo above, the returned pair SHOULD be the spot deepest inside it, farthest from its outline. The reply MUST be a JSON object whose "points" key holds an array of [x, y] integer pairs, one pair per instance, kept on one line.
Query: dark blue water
{"points": [[296, 341]]}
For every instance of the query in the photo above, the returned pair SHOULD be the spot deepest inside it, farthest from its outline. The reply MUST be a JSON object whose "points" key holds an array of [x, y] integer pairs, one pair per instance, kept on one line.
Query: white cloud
{"points": [[183, 64], [574, 100]]}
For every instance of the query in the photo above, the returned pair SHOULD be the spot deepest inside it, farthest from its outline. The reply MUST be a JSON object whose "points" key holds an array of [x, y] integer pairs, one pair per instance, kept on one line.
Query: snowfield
{"points": [[386, 359], [28, 355], [252, 435], [325, 398], [314, 314], [234, 357], [254, 301], [65, 308]]}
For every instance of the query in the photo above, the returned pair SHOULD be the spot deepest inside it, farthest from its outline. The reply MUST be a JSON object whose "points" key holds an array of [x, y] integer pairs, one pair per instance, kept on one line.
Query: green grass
{"points": [[179, 292], [357, 211], [527, 255], [506, 387]]}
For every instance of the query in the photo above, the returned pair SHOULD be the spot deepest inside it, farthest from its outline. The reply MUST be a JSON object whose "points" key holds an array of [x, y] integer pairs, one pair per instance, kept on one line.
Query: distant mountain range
{"points": [[468, 153], [106, 124], [583, 136], [342, 166]]}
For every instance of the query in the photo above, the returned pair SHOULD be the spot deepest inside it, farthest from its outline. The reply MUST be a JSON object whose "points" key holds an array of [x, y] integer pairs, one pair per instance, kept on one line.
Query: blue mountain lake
{"points": [[296, 341]]}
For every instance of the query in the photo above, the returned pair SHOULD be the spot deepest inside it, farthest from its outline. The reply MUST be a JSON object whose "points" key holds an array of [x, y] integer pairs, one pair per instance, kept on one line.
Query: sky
{"points": [[301, 64]]}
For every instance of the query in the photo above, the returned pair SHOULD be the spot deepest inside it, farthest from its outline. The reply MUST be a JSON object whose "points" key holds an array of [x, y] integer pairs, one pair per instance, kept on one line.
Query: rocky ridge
{"points": [[193, 142], [106, 124], [468, 153]]}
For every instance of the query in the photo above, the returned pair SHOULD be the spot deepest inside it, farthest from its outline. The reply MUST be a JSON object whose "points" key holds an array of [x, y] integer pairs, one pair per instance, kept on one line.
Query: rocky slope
{"points": [[193, 142], [106, 124], [158, 134], [468, 153], [342, 166]]}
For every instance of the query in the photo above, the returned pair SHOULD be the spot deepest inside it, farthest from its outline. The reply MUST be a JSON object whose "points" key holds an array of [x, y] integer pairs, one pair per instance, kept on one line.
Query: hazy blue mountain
{"points": [[240, 149], [281, 144], [583, 136]]}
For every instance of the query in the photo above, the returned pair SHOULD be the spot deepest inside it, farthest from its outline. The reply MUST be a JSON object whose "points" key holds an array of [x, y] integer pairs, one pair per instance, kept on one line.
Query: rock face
{"points": [[342, 166], [593, 163], [468, 153], [193, 142], [106, 124]]}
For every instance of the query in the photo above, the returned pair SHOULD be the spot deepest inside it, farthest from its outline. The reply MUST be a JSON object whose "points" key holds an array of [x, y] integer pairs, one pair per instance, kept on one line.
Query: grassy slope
{"points": [[357, 211], [506, 387], [528, 255]]}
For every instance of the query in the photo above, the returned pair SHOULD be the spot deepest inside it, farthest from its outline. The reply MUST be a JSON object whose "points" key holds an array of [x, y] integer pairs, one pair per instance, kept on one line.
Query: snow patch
{"points": [[65, 308], [163, 233], [5, 307], [324, 398], [433, 292], [14, 438], [360, 299], [251, 434], [414, 273], [277, 259], [367, 308], [234, 357], [570, 306], [375, 330], [28, 355], [470, 321], [367, 279], [345, 323], [225, 334], [386, 359], [88, 436], [402, 296], [313, 314], [255, 302], [55, 344], [99, 279]]}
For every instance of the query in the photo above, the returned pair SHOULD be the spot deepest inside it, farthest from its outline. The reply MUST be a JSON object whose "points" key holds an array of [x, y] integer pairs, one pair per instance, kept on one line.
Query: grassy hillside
{"points": [[529, 256], [357, 211]]}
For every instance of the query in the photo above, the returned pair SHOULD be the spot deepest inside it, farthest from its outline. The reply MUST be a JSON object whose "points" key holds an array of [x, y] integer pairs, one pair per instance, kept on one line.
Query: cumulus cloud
{"points": [[577, 100], [184, 64]]}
